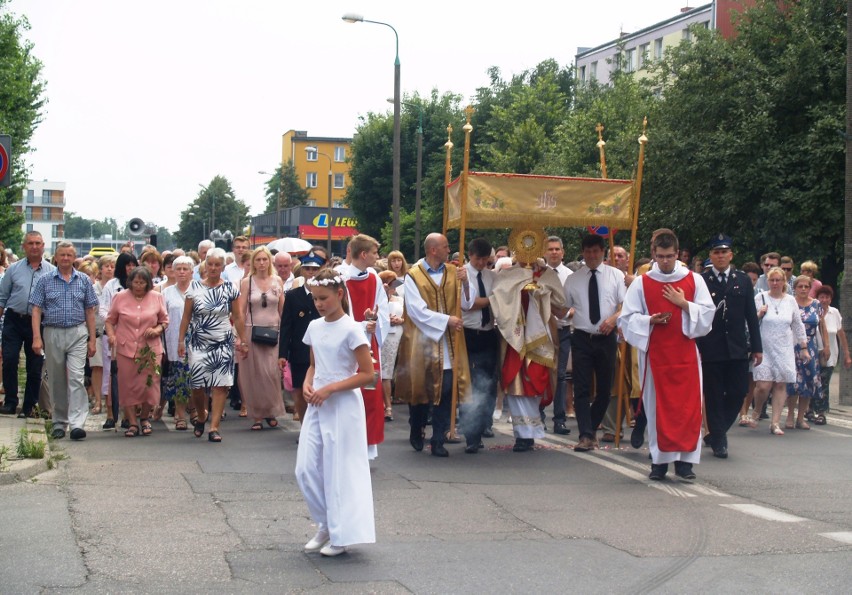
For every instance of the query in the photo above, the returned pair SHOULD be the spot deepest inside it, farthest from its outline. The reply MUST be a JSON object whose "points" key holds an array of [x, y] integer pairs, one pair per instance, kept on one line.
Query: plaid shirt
{"points": [[64, 303]]}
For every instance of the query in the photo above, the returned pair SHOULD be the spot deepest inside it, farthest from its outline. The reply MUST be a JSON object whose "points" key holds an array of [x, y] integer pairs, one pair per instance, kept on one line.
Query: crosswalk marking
{"points": [[841, 536], [762, 512]]}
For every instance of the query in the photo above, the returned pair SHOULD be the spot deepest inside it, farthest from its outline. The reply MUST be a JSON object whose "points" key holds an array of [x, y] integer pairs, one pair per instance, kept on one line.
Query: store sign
{"points": [[321, 220]]}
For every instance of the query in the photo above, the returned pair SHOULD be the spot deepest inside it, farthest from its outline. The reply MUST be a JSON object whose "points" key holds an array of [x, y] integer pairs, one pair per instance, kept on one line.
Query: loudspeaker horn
{"points": [[136, 226]]}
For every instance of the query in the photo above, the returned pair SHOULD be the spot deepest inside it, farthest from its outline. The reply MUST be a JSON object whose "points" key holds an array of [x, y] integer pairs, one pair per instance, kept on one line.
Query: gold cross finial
{"points": [[468, 112], [599, 129]]}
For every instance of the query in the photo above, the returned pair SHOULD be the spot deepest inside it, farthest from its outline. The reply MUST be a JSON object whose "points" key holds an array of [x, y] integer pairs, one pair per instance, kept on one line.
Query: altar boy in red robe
{"points": [[368, 304], [663, 313]]}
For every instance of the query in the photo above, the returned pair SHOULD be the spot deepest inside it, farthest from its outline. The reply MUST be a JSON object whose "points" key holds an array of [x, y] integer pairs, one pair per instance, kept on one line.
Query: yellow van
{"points": [[99, 251]]}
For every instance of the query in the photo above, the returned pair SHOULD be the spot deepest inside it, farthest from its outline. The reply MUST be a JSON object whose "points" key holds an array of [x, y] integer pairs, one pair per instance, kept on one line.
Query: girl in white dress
{"points": [[332, 468]]}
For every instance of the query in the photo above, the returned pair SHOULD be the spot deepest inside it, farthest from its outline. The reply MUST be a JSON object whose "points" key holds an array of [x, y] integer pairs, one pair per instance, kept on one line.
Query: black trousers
{"points": [[483, 350], [440, 412], [18, 332], [725, 387], [594, 357]]}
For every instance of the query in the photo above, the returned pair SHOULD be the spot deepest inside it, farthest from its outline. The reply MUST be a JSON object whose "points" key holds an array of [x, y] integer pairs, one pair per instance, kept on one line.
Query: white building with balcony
{"points": [[43, 206]]}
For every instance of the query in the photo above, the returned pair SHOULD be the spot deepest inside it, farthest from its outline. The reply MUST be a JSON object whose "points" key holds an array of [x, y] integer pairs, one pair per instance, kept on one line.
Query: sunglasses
{"points": [[262, 300]]}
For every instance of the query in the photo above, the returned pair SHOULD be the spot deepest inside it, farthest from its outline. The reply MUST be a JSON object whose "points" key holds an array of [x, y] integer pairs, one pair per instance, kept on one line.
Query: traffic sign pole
{"points": [[5, 160]]}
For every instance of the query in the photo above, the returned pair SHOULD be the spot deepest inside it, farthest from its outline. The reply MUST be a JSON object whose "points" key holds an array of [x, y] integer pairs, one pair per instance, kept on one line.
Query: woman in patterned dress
{"points": [[808, 383], [207, 336]]}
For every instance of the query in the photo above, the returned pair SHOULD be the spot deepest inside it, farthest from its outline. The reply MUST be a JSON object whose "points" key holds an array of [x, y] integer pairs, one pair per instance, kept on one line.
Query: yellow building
{"points": [[313, 156]]}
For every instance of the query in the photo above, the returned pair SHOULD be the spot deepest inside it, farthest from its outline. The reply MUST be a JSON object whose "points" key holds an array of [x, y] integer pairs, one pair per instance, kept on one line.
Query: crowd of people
{"points": [[694, 344]]}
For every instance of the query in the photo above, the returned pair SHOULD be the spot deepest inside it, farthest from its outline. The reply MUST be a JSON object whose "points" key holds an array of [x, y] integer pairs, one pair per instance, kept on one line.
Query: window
{"points": [[311, 180], [338, 180], [642, 57], [582, 74], [593, 70], [46, 196], [312, 154], [28, 213], [30, 196], [658, 49], [630, 60], [30, 227], [687, 34], [54, 231], [340, 156], [339, 204], [311, 203]]}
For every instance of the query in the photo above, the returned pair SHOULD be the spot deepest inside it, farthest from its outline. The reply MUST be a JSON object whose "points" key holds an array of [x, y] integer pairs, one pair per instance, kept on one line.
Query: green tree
{"points": [[216, 207], [516, 121], [80, 227], [21, 108], [284, 189], [370, 193], [745, 140]]}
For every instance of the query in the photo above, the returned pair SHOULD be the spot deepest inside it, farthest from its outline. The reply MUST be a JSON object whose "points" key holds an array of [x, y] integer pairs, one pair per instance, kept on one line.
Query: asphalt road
{"points": [[171, 513]]}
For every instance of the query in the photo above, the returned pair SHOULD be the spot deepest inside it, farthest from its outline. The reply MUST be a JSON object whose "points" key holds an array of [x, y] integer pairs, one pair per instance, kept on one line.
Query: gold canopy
{"points": [[499, 200]]}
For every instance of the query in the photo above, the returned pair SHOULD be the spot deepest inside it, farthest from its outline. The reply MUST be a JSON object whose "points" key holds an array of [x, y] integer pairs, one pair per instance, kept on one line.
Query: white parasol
{"points": [[293, 246]]}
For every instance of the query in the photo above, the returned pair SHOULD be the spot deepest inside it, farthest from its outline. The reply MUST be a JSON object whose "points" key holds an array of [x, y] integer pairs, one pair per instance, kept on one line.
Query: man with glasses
{"points": [[664, 312], [787, 267], [767, 261]]}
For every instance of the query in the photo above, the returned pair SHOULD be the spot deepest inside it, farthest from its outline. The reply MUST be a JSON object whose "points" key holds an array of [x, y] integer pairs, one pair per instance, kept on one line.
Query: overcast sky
{"points": [[147, 100]]}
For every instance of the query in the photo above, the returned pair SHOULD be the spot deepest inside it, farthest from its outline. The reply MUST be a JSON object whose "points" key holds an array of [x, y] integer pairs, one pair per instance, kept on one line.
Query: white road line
{"points": [[767, 514], [839, 422], [837, 434], [841, 536]]}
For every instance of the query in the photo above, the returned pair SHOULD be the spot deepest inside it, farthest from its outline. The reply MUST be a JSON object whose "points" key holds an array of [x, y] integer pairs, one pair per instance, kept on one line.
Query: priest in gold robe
{"points": [[525, 298], [432, 342]]}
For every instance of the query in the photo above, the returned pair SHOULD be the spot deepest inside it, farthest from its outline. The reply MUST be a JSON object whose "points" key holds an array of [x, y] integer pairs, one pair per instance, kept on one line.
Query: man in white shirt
{"points": [[203, 247], [283, 264], [483, 348], [554, 254], [234, 272], [596, 292]]}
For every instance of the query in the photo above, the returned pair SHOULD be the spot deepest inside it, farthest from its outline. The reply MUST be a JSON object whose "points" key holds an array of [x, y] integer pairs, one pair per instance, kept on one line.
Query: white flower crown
{"points": [[338, 280]]}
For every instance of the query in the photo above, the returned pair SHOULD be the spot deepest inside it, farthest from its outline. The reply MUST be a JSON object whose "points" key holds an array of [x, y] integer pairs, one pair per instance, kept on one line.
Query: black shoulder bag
{"points": [[263, 335]]}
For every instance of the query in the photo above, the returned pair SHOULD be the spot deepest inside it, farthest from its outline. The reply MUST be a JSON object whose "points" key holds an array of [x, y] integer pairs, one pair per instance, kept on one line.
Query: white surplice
{"points": [[634, 323]]}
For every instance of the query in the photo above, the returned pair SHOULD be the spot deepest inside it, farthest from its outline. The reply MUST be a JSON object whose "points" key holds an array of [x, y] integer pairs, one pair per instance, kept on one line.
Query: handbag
{"points": [[165, 363], [263, 335]]}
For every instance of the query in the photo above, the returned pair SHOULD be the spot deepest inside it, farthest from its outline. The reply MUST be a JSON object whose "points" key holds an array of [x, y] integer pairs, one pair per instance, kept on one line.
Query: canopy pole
{"points": [[623, 399], [448, 173], [468, 112]]}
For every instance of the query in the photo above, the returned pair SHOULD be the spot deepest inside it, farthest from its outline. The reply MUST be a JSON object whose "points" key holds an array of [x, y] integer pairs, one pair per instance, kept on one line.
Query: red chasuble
{"points": [[362, 296], [673, 360]]}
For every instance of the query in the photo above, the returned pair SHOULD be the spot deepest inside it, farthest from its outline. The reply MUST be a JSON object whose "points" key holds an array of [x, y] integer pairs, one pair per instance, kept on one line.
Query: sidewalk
{"points": [[13, 468]]}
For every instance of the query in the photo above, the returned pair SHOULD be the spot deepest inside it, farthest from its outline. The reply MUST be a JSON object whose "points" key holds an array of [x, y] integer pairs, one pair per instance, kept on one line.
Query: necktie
{"points": [[486, 312], [722, 279], [594, 299]]}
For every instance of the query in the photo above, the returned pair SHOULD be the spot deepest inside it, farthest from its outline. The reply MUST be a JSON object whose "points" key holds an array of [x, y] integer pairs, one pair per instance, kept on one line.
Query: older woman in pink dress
{"points": [[136, 321]]}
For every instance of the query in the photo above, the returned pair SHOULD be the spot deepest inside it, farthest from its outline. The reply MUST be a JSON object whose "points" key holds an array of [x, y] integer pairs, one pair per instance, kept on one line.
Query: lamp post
{"points": [[356, 18], [278, 202], [91, 236], [212, 208], [329, 219], [417, 192]]}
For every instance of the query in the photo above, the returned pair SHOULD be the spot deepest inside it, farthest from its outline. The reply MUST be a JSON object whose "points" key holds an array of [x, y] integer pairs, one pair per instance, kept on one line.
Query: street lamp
{"points": [[91, 236], [278, 202], [203, 225], [328, 223], [213, 207], [419, 175], [356, 18]]}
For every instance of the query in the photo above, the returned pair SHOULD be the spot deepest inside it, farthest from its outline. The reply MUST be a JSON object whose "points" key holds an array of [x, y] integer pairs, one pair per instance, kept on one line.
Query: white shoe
{"points": [[317, 542], [332, 550], [497, 415]]}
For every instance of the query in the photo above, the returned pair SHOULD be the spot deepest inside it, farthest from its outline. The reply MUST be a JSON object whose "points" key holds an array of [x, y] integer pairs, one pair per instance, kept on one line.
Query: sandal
{"points": [[132, 431], [745, 420], [243, 413], [198, 428], [256, 426], [273, 423], [388, 413], [788, 426], [820, 420], [776, 429], [214, 436], [180, 424], [147, 430], [802, 425], [96, 410]]}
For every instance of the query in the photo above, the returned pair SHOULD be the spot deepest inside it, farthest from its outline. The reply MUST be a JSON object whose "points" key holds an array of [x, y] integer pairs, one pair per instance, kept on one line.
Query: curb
{"points": [[19, 470]]}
